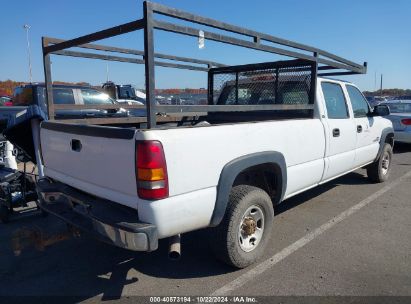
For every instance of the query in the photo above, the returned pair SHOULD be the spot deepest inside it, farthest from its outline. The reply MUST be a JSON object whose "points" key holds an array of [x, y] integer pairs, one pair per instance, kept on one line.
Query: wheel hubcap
{"points": [[385, 164], [251, 228]]}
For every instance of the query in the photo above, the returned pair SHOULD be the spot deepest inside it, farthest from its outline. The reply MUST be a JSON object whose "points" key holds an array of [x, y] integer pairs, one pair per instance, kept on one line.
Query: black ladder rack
{"points": [[318, 61]]}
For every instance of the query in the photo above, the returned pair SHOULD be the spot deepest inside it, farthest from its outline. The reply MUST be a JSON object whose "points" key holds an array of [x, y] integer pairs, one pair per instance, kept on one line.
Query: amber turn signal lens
{"points": [[151, 174]]}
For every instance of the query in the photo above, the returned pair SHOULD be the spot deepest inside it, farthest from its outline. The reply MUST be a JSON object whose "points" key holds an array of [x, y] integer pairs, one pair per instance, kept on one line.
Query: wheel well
{"points": [[265, 176]]}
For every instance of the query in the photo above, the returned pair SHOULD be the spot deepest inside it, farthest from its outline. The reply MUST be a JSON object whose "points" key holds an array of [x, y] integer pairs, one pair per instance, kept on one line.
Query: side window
{"points": [[359, 104], [63, 96], [334, 100]]}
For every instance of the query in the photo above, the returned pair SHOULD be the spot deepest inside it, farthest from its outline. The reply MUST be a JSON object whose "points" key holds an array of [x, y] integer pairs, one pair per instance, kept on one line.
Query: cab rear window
{"points": [[258, 93], [60, 95]]}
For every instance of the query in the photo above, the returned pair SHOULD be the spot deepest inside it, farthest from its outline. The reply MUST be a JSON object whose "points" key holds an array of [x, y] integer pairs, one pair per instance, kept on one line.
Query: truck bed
{"points": [[105, 164]]}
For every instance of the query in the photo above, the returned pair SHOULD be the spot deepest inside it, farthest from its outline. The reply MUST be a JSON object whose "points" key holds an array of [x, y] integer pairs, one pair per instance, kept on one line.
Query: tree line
{"points": [[389, 92]]}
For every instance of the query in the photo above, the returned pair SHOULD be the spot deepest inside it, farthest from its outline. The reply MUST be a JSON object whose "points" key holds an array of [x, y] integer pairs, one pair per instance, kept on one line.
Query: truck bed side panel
{"points": [[196, 156]]}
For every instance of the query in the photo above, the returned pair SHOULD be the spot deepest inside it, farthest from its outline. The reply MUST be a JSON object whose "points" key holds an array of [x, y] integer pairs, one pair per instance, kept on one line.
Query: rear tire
{"points": [[379, 171], [246, 228]]}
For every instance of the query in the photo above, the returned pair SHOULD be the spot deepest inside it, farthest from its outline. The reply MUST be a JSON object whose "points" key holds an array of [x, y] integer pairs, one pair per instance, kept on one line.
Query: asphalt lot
{"points": [[364, 251]]}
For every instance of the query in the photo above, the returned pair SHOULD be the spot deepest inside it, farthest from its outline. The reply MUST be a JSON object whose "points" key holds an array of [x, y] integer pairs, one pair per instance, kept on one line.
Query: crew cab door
{"points": [[340, 131], [367, 143]]}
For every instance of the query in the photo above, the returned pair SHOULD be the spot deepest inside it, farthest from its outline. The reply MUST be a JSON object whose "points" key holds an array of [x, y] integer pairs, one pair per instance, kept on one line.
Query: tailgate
{"points": [[95, 159]]}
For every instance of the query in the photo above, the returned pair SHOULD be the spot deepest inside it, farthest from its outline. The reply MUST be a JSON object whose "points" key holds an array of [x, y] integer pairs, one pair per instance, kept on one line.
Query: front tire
{"points": [[246, 228], [379, 171]]}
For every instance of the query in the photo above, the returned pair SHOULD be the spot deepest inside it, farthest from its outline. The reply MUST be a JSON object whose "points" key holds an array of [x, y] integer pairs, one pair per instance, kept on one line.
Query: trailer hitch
{"points": [[34, 236]]}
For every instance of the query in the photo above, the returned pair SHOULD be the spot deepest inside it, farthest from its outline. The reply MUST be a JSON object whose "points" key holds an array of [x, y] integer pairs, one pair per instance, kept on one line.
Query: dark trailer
{"points": [[300, 72]]}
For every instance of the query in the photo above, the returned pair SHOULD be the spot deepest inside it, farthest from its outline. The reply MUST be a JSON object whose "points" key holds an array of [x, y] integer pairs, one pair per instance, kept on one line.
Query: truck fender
{"points": [[386, 132], [232, 169]]}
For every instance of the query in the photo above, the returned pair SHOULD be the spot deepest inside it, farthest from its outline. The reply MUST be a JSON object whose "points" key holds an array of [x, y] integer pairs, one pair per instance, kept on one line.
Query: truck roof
{"points": [[335, 79], [270, 78], [71, 86]]}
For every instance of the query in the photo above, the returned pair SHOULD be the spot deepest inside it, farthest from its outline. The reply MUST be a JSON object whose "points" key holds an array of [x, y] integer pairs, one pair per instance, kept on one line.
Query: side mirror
{"points": [[381, 110]]}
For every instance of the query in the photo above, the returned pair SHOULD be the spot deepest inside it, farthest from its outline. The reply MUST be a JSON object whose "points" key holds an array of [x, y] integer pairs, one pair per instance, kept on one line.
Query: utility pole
{"points": [[375, 81], [381, 86], [27, 27]]}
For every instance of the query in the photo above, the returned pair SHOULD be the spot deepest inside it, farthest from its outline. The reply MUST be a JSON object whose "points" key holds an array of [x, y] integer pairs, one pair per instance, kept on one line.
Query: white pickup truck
{"points": [[228, 176], [270, 131]]}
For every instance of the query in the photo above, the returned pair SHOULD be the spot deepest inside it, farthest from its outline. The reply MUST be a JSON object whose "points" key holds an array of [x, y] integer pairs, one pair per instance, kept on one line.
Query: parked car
{"points": [[5, 101], [126, 94], [375, 100], [401, 119], [35, 94], [30, 99], [406, 97]]}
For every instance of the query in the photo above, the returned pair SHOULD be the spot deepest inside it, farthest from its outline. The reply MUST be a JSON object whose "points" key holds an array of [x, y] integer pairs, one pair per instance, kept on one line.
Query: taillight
{"points": [[151, 170], [8, 104], [406, 121]]}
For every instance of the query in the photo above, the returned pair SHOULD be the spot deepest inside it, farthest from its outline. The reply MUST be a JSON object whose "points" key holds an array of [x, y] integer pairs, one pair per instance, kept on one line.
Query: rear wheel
{"points": [[245, 230], [379, 171]]}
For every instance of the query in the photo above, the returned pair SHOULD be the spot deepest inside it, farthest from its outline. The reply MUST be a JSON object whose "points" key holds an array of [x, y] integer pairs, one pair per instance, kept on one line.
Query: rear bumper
{"points": [[402, 136], [109, 222]]}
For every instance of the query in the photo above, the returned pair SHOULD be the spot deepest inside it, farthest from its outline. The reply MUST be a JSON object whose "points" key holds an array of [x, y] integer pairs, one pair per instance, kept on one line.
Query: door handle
{"points": [[359, 128], [336, 132]]}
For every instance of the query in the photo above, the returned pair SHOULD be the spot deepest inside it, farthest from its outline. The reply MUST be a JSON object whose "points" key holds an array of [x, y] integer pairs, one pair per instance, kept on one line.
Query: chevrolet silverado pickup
{"points": [[269, 131], [227, 176]]}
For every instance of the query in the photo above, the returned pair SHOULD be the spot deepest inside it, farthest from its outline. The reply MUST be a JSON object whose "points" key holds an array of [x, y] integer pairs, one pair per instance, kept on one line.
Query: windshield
{"points": [[399, 107], [91, 96]]}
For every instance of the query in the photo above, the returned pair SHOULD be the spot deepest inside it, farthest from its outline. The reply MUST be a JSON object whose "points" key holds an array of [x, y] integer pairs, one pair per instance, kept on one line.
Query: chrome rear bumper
{"points": [[108, 221]]}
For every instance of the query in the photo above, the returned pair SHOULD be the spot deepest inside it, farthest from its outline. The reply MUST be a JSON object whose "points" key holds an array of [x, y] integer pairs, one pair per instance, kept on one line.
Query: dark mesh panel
{"points": [[219, 81], [272, 84]]}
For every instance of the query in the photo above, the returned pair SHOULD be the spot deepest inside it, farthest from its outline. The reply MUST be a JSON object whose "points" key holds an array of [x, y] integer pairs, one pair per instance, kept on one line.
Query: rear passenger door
{"points": [[340, 131], [367, 143]]}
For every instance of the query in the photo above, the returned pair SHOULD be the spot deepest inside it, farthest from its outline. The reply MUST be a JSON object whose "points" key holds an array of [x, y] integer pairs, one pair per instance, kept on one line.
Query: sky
{"points": [[376, 31]]}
